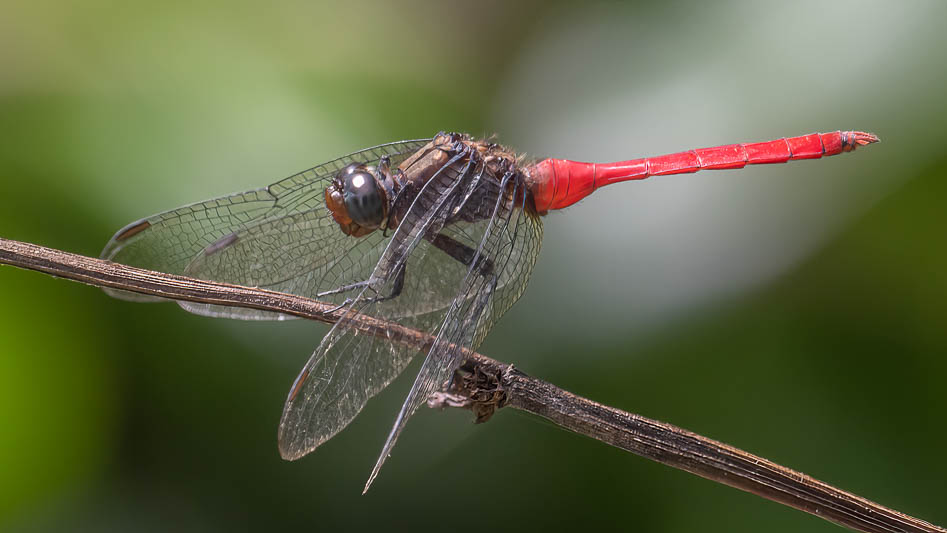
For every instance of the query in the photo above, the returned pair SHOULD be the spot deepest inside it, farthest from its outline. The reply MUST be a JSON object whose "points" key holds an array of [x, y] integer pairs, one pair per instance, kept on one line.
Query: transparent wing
{"points": [[281, 237], [348, 368], [510, 239]]}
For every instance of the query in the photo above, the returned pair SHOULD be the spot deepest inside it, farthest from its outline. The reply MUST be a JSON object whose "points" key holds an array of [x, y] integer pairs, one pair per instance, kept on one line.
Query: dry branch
{"points": [[485, 385]]}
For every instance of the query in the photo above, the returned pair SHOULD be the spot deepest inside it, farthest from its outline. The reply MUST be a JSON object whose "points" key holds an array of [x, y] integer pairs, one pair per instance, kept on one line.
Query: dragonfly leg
{"points": [[463, 253], [344, 303], [344, 288], [396, 289]]}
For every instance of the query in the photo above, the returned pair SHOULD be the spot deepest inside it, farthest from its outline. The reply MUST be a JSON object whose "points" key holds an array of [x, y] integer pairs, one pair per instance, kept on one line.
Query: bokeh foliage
{"points": [[115, 416]]}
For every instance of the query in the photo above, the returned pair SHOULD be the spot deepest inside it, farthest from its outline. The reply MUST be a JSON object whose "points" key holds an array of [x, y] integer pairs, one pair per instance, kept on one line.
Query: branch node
{"points": [[484, 389]]}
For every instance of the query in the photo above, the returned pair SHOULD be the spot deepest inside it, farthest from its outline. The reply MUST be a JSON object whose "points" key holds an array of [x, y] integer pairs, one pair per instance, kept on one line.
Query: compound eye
{"points": [[364, 199]]}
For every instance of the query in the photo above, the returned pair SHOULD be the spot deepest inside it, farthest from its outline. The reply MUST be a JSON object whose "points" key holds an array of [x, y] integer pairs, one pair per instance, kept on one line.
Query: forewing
{"points": [[280, 237]]}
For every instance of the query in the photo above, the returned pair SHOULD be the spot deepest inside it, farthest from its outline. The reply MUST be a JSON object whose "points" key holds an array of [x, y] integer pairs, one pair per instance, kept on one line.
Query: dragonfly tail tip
{"points": [[853, 139]]}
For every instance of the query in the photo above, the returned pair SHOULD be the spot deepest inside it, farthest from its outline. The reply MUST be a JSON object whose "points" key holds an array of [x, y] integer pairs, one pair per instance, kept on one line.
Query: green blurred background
{"points": [[795, 311]]}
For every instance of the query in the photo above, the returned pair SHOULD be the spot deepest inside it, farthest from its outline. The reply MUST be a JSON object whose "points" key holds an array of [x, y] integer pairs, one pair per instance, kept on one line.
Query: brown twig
{"points": [[486, 385]]}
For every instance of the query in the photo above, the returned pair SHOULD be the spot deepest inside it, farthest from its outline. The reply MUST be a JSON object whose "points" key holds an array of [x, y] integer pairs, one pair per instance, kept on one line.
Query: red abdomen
{"points": [[558, 183]]}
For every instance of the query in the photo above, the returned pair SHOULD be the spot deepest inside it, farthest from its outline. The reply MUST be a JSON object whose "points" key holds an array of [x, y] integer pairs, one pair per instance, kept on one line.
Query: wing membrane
{"points": [[283, 238], [347, 369]]}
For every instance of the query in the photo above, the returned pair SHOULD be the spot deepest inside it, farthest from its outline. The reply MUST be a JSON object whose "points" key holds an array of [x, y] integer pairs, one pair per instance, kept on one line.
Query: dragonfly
{"points": [[438, 235]]}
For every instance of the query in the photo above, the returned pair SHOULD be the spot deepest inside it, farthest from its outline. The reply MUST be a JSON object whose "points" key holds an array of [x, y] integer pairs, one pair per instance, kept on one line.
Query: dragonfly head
{"points": [[358, 199]]}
